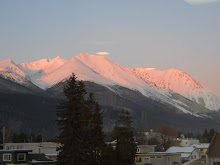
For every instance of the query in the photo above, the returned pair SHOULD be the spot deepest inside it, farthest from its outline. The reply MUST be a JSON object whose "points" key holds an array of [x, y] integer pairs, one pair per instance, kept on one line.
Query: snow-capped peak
{"points": [[7, 63], [112, 71], [37, 65], [99, 69], [179, 82], [10, 66], [171, 79]]}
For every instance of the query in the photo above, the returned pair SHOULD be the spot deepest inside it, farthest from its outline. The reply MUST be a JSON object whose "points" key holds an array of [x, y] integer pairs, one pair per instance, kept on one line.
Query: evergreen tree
{"points": [[211, 134], [94, 137], [80, 122], [108, 156], [39, 138], [96, 131], [123, 133], [205, 137]]}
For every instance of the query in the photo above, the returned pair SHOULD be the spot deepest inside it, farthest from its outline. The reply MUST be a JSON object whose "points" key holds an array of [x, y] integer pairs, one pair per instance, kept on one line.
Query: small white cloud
{"points": [[103, 53], [150, 68], [197, 2]]}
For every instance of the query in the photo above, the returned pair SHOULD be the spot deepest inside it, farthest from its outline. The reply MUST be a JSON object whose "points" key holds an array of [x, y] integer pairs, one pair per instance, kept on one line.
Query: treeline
{"points": [[204, 137], [23, 138]]}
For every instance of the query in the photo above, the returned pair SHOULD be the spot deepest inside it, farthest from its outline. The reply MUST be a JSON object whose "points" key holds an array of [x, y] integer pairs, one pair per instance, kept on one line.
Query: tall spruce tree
{"points": [[123, 133], [205, 138], [80, 122], [211, 134]]}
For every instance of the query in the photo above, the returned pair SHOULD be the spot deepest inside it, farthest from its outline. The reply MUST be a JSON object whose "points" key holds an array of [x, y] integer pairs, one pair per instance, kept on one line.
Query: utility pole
{"points": [[3, 138]]}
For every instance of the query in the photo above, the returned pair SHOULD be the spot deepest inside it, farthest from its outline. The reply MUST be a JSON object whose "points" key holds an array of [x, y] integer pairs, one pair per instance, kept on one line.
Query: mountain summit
{"points": [[179, 82], [172, 87]]}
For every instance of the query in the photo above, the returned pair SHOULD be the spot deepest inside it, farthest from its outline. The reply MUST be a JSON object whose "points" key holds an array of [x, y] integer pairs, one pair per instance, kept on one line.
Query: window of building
{"points": [[158, 157], [7, 157], [21, 157], [138, 159], [146, 160], [138, 150]]}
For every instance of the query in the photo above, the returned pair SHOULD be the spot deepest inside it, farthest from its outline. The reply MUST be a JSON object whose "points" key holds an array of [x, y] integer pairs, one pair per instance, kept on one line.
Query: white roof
{"points": [[202, 145], [180, 150], [185, 155]]}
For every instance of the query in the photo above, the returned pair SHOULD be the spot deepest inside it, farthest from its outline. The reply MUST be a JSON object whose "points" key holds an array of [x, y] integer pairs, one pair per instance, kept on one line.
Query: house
{"points": [[158, 158], [48, 148], [10, 157], [146, 154], [187, 153], [23, 157], [187, 142], [213, 152], [145, 148], [203, 147]]}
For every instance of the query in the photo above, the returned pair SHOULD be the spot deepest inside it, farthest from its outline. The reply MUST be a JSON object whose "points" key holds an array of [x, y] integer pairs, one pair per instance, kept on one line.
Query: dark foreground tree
{"points": [[123, 133], [80, 122]]}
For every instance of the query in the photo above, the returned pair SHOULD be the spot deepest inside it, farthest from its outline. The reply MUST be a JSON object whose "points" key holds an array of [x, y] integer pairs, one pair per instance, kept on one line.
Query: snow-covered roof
{"points": [[185, 155], [146, 146], [157, 153], [52, 154], [203, 145], [180, 149]]}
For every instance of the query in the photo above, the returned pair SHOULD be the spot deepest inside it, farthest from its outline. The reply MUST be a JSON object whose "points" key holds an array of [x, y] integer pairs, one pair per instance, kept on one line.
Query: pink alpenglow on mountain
{"points": [[179, 82], [10, 66], [47, 65], [157, 85]]}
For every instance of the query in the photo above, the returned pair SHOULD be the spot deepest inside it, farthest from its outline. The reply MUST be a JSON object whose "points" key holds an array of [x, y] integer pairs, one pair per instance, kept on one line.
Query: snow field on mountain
{"points": [[157, 85], [179, 82]]}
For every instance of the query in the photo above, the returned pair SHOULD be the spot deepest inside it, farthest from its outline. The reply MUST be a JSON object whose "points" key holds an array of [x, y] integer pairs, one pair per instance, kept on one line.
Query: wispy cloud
{"points": [[197, 2], [103, 53], [150, 68]]}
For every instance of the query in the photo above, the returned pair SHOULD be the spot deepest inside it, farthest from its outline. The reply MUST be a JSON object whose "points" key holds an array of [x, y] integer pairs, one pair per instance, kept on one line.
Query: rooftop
{"points": [[214, 148], [157, 153], [180, 149], [16, 150], [202, 145]]}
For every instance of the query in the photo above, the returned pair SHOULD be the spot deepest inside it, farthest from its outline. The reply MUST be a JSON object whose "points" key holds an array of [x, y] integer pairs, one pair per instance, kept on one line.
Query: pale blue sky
{"points": [[158, 34]]}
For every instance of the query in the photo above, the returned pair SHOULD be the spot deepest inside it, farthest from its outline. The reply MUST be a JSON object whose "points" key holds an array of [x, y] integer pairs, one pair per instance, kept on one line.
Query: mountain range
{"points": [[141, 91]]}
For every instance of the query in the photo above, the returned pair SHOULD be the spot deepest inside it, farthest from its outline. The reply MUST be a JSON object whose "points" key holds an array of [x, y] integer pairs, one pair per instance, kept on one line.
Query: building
{"points": [[48, 148], [23, 157], [145, 148], [187, 142], [11, 157], [187, 153], [213, 152], [146, 154], [203, 147], [158, 158]]}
